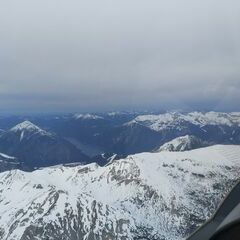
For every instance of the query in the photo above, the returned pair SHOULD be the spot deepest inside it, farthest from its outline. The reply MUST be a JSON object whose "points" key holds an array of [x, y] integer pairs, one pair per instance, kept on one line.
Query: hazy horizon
{"points": [[127, 111]]}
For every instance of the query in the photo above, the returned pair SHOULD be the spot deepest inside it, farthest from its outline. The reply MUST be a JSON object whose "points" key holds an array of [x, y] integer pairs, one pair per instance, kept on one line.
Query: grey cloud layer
{"points": [[97, 55]]}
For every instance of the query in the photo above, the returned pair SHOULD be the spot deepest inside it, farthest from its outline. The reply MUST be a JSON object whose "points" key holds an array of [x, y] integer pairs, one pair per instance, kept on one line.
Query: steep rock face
{"points": [[183, 143], [163, 195], [35, 147]]}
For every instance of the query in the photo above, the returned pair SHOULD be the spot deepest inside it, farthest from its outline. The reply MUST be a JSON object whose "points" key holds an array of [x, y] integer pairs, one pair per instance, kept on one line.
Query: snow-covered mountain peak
{"points": [[183, 143], [27, 129], [25, 126]]}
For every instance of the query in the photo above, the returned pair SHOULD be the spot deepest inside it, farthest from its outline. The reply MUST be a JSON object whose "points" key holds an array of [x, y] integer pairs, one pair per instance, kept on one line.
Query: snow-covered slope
{"points": [[183, 143], [175, 119], [163, 195]]}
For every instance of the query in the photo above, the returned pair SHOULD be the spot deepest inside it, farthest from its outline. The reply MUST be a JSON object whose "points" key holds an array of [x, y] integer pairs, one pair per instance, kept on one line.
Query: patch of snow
{"points": [[87, 116], [6, 156]]}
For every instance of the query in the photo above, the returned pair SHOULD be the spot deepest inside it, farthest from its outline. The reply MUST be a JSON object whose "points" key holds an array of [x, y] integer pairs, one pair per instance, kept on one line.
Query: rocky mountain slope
{"points": [[163, 195]]}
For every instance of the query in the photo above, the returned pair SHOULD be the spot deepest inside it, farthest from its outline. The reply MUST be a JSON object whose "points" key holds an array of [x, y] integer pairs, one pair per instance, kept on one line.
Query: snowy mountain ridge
{"points": [[163, 195], [174, 119], [183, 143]]}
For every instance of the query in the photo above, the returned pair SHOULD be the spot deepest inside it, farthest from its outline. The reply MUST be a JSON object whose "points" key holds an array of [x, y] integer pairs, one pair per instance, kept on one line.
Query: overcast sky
{"points": [[68, 56]]}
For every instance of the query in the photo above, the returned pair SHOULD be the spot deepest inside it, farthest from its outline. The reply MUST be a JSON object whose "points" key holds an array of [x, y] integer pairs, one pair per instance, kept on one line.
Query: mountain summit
{"points": [[27, 129], [25, 126], [183, 143], [35, 147]]}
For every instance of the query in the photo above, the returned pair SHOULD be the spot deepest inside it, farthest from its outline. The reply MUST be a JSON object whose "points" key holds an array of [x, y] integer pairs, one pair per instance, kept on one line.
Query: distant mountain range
{"points": [[218, 128], [164, 195], [84, 138], [132, 133]]}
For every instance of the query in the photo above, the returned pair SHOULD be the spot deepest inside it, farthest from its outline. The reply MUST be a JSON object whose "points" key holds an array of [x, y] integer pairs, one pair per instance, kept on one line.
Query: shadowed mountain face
{"points": [[35, 147], [1, 132], [8, 163]]}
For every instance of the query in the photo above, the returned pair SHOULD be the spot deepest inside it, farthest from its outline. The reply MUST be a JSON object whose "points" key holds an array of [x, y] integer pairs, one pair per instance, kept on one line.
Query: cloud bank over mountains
{"points": [[62, 56]]}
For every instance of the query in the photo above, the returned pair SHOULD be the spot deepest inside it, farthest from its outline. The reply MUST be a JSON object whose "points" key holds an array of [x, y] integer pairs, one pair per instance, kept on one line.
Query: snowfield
{"points": [[164, 195]]}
